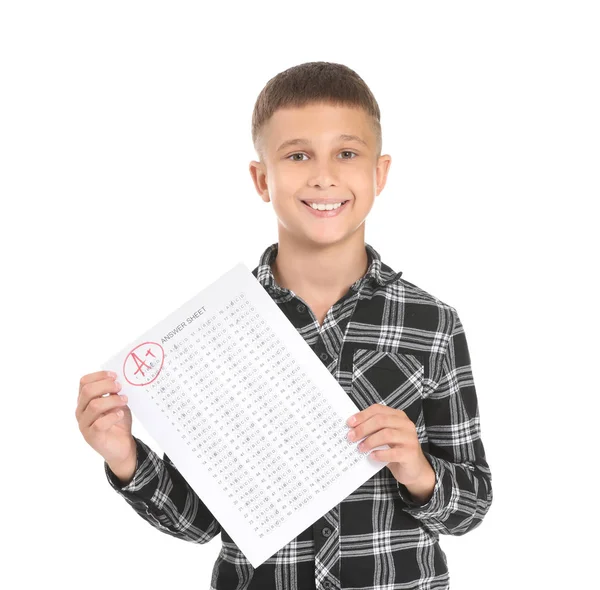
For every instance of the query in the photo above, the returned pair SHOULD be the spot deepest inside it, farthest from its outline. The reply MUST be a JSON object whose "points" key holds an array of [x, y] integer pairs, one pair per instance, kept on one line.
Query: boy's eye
{"points": [[302, 154], [298, 154]]}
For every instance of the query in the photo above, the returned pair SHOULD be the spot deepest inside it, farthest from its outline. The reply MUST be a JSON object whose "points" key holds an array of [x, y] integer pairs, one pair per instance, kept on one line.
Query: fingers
{"points": [[387, 436], [91, 404], [97, 376], [396, 420], [105, 422], [99, 406], [90, 388], [85, 382]]}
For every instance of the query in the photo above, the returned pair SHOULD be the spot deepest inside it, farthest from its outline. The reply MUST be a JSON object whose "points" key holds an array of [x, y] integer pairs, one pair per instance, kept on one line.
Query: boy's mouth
{"points": [[316, 207], [336, 210]]}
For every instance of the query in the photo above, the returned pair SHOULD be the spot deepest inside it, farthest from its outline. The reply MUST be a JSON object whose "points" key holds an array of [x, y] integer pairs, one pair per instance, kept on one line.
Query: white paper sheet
{"points": [[246, 411]]}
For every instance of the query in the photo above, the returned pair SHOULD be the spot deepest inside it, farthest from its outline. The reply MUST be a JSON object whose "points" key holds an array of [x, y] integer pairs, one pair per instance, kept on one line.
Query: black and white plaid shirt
{"points": [[385, 341]]}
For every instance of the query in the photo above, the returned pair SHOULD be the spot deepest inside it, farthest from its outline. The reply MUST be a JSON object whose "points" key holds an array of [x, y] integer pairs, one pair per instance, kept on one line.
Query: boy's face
{"points": [[321, 167]]}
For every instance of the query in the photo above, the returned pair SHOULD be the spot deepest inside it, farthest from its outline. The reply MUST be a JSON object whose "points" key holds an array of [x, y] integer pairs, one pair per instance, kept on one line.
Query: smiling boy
{"points": [[308, 157], [397, 351]]}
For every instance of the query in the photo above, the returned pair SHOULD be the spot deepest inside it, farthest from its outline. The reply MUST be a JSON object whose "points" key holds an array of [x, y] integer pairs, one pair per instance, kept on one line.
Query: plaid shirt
{"points": [[385, 341]]}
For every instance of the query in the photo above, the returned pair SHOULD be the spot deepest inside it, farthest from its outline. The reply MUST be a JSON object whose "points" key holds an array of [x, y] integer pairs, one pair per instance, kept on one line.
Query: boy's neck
{"points": [[320, 274]]}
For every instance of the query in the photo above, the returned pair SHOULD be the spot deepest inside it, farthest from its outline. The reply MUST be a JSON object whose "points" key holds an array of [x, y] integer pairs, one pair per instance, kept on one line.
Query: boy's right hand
{"points": [[103, 429]]}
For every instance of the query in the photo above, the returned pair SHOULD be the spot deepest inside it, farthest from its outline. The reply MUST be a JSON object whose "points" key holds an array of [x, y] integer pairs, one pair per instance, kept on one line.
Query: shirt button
{"points": [[327, 584], [326, 531], [301, 308], [324, 356]]}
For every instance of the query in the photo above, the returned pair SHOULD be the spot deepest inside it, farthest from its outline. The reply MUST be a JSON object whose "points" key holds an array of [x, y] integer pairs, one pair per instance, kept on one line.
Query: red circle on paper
{"points": [[131, 367]]}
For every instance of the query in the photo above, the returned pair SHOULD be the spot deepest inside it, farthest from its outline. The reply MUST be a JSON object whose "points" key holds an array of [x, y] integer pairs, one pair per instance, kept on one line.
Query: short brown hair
{"points": [[314, 82]]}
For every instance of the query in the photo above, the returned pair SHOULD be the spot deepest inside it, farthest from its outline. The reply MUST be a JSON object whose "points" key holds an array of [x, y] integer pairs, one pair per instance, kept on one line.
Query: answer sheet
{"points": [[246, 411]]}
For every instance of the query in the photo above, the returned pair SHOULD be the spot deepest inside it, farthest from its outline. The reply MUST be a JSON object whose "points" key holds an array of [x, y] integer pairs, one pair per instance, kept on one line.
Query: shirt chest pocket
{"points": [[394, 379]]}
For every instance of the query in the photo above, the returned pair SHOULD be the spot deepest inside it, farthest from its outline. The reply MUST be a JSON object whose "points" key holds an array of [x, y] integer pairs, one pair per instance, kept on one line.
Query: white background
{"points": [[125, 131]]}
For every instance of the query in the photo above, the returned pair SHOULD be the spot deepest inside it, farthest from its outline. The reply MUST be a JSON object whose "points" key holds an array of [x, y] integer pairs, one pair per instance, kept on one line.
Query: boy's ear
{"points": [[383, 167], [259, 177]]}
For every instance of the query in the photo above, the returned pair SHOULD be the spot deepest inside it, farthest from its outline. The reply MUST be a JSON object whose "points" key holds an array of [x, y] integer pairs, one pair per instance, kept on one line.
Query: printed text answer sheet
{"points": [[247, 412]]}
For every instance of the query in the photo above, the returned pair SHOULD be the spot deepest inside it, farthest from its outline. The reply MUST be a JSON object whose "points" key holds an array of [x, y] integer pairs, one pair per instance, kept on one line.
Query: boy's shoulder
{"points": [[398, 290], [419, 309], [420, 295]]}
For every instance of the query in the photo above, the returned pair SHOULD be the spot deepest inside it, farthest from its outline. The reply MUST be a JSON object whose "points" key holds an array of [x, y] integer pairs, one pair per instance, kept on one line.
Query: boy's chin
{"points": [[324, 239]]}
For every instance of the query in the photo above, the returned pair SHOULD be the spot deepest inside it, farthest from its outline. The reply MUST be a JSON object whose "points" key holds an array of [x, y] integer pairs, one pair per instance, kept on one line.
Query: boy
{"points": [[398, 352]]}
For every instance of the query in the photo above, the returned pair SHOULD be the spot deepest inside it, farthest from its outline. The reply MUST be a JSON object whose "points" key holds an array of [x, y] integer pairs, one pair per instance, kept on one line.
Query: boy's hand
{"points": [[99, 421], [382, 425]]}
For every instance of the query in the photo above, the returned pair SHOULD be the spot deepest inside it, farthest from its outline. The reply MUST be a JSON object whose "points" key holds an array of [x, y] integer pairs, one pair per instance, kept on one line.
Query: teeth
{"points": [[326, 207]]}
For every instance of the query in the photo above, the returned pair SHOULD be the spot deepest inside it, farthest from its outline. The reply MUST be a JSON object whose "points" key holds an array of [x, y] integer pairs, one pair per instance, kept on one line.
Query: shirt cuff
{"points": [[141, 451], [435, 506]]}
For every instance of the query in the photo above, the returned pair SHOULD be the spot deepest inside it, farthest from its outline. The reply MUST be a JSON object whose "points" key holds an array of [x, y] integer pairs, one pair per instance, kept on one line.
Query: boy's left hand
{"points": [[382, 425]]}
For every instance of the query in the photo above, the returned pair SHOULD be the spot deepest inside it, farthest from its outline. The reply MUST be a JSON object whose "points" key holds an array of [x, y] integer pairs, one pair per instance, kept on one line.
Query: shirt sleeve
{"points": [[462, 494], [162, 497]]}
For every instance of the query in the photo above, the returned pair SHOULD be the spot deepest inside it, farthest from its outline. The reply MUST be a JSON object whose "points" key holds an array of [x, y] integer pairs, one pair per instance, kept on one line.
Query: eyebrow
{"points": [[302, 141]]}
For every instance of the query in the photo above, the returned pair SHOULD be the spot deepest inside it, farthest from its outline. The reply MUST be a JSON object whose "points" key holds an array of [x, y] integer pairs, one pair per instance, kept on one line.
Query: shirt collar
{"points": [[377, 271]]}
